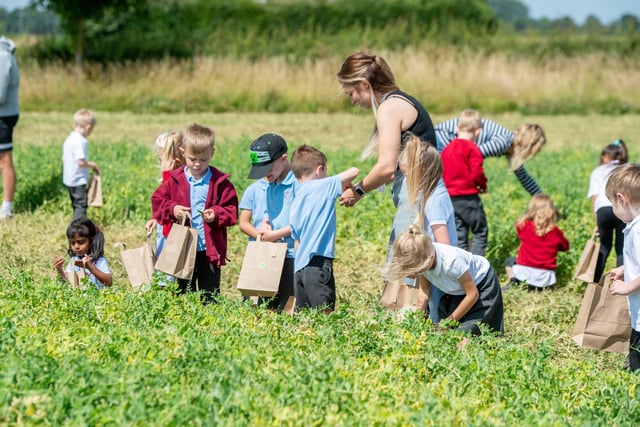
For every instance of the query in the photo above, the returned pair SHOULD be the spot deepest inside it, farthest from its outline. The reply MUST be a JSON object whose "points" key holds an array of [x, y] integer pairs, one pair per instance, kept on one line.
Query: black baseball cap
{"points": [[264, 151]]}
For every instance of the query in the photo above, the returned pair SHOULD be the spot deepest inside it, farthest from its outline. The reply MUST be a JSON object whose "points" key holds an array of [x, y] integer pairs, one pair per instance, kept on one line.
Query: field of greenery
{"points": [[116, 357]]}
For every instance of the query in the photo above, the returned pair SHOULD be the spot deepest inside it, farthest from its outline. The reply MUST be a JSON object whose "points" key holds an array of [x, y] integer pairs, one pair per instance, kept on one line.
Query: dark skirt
{"points": [[487, 310]]}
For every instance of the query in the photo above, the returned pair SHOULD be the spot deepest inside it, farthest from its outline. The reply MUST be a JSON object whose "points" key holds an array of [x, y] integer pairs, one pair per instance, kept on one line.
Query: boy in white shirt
{"points": [[623, 189], [75, 166]]}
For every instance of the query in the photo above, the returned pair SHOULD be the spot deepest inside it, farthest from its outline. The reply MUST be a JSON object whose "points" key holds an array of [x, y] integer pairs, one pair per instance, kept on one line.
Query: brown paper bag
{"points": [[603, 321], [178, 257], [75, 278], [586, 268], [396, 296], [94, 193], [261, 268], [139, 263]]}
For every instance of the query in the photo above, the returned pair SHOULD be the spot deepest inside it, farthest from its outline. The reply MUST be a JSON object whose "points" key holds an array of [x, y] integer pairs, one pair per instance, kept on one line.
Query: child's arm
{"points": [[58, 262], [424, 293], [246, 226], [276, 235], [620, 287], [347, 176], [105, 278], [83, 163], [441, 233], [477, 170], [470, 298], [161, 204]]}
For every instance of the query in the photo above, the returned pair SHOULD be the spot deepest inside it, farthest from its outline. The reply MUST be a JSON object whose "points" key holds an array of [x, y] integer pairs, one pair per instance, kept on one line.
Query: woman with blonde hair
{"points": [[495, 141], [369, 83]]}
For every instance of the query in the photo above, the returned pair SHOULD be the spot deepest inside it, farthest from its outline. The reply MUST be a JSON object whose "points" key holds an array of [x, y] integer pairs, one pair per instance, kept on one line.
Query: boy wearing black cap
{"points": [[269, 160]]}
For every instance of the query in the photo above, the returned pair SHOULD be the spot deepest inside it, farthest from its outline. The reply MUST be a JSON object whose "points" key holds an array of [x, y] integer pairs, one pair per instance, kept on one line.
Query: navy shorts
{"points": [[6, 132]]}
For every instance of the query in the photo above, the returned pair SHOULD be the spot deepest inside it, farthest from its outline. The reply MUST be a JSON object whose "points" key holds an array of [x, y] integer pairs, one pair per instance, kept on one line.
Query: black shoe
{"points": [[513, 283]]}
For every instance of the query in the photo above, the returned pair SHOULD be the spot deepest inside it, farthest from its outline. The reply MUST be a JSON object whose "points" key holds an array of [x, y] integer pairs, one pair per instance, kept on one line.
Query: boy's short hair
{"points": [[470, 120], [624, 179], [305, 159], [197, 139], [84, 117], [265, 150]]}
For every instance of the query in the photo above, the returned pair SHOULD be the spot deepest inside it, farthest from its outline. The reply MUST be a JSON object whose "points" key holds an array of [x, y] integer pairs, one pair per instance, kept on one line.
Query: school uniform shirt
{"points": [[221, 197], [439, 211], [198, 190], [631, 255], [313, 219], [462, 169], [597, 182], [540, 251], [279, 199], [451, 263], [100, 263], [254, 199], [74, 149], [493, 141]]}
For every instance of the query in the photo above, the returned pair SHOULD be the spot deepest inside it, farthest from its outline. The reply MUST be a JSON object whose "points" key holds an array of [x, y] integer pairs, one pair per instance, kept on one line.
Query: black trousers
{"points": [[205, 279], [78, 197], [608, 225]]}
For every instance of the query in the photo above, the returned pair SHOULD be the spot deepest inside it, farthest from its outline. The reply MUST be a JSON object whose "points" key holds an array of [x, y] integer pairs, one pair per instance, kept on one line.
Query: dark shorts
{"points": [[285, 289], [6, 132], [315, 285]]}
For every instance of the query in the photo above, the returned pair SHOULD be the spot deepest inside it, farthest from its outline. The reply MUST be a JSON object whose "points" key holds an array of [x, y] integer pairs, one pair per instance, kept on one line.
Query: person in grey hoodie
{"points": [[9, 112]]}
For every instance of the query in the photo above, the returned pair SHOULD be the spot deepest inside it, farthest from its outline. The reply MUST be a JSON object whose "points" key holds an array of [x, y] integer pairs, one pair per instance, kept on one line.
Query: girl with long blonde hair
{"points": [[540, 241]]}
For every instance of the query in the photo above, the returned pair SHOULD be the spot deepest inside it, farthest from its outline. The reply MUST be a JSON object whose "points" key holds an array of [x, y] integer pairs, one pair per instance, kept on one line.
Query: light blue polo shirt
{"points": [[198, 192], [313, 219], [279, 199], [254, 199]]}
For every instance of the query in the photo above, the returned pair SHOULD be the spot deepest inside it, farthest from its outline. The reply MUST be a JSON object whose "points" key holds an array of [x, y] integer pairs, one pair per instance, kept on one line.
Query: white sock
{"points": [[7, 206]]}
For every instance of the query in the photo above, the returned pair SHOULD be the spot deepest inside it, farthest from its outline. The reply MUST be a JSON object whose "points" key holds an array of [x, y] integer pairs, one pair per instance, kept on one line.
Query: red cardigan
{"points": [[462, 170], [222, 198], [540, 252]]}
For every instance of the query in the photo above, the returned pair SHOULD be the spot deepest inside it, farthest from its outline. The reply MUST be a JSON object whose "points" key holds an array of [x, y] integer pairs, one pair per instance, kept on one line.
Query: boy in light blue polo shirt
{"points": [[269, 160], [313, 226]]}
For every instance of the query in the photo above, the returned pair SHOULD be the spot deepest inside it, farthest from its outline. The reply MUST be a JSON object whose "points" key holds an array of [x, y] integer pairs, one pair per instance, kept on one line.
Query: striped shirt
{"points": [[493, 141]]}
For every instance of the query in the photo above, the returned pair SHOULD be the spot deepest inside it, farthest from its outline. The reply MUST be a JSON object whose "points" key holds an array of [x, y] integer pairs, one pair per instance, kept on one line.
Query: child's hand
{"points": [[58, 262], [208, 215], [618, 287], [150, 225], [95, 167], [180, 211], [617, 273], [86, 262], [270, 236], [264, 226]]}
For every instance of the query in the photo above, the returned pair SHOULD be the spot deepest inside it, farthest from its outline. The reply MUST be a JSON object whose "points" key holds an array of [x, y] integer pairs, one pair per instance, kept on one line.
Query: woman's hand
{"points": [[150, 225], [349, 197]]}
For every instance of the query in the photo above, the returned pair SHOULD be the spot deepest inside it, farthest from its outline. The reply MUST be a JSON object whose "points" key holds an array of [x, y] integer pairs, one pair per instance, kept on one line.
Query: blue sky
{"points": [[578, 10]]}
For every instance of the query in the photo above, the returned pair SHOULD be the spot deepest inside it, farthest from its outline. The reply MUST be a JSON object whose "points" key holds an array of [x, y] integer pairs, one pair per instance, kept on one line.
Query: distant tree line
{"points": [[120, 30]]}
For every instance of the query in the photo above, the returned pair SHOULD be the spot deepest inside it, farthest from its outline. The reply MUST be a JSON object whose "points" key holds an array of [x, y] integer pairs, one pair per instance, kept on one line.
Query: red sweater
{"points": [[222, 198], [540, 252], [462, 169]]}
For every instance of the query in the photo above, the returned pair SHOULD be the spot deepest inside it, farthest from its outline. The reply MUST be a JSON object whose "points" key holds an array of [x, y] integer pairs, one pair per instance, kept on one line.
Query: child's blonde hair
{"points": [[528, 140], [167, 147], [624, 179], [423, 170], [542, 212], [469, 120], [84, 117], [197, 139], [413, 253]]}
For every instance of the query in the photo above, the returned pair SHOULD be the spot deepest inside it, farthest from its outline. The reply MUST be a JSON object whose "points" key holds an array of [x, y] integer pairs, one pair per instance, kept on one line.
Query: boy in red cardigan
{"points": [[463, 175], [206, 195]]}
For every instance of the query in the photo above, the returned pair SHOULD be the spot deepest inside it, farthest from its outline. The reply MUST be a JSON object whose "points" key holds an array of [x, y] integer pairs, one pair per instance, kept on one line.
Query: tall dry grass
{"points": [[444, 80]]}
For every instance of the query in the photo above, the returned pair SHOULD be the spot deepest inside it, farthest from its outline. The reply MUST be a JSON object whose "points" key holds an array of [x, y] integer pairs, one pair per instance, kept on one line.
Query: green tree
{"points": [[75, 13]]}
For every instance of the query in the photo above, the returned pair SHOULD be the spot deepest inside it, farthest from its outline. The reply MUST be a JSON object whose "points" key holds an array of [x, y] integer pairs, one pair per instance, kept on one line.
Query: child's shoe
{"points": [[513, 283], [5, 214]]}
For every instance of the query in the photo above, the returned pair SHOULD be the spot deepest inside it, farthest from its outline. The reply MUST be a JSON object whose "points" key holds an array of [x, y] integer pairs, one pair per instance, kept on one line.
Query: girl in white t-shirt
{"points": [[86, 249], [612, 156], [471, 287]]}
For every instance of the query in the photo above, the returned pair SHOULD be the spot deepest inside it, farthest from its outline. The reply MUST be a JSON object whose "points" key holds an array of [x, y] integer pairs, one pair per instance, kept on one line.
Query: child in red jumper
{"points": [[207, 197], [541, 239], [463, 175]]}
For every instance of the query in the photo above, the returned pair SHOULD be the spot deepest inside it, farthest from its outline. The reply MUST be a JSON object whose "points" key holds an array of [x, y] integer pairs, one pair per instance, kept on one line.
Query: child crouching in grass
{"points": [[471, 287]]}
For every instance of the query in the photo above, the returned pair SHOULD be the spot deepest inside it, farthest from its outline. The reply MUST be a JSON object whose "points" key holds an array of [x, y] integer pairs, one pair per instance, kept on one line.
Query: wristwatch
{"points": [[360, 190]]}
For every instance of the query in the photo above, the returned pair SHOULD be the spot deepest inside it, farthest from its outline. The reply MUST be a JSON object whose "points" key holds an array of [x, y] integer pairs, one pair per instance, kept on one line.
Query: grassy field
{"points": [[123, 358]]}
